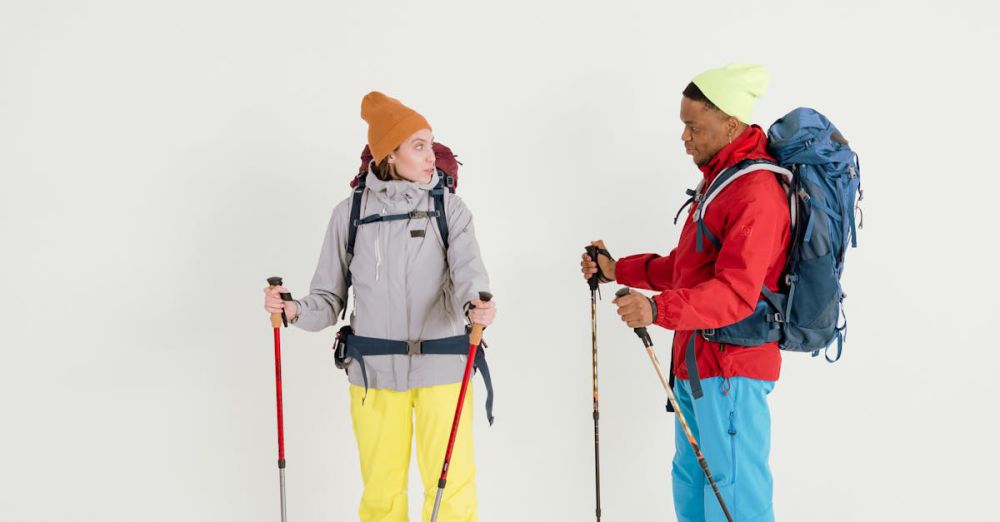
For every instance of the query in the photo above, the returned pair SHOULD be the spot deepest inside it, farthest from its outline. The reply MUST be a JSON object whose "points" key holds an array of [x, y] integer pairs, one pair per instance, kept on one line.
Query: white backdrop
{"points": [[160, 159]]}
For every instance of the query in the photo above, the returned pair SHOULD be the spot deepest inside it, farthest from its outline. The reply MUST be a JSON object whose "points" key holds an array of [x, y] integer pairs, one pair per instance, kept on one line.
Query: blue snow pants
{"points": [[732, 424]]}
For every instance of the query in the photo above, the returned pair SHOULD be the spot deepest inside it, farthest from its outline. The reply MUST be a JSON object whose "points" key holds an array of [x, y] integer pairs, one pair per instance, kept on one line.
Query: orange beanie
{"points": [[389, 123]]}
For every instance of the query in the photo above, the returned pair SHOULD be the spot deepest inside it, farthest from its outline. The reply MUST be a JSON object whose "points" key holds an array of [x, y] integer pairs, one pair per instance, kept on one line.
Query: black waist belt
{"points": [[359, 347]]}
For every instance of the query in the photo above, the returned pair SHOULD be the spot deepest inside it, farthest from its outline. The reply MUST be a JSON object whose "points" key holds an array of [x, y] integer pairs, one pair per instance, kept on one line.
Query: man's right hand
{"points": [[589, 266]]}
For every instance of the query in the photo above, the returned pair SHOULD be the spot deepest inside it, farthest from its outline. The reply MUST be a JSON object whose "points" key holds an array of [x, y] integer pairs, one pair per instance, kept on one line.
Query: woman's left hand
{"points": [[483, 313]]}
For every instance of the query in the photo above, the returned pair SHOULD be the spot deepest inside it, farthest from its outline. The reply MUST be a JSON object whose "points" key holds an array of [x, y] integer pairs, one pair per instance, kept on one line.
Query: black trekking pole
{"points": [[648, 343], [276, 321], [593, 282]]}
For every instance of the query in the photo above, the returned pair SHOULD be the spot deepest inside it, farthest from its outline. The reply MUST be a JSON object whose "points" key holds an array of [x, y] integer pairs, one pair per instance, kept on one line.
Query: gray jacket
{"points": [[405, 287]]}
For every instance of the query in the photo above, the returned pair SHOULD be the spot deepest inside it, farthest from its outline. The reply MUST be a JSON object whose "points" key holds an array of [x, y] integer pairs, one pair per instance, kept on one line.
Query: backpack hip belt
{"points": [[358, 347]]}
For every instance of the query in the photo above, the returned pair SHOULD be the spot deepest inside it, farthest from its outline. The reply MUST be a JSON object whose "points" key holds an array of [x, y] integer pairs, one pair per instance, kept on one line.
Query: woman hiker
{"points": [[415, 290]]}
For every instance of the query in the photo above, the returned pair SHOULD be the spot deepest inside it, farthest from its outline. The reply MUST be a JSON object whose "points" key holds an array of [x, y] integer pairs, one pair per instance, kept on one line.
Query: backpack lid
{"points": [[804, 136]]}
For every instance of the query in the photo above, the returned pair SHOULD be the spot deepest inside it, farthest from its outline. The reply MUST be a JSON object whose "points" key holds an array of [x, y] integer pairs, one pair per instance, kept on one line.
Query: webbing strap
{"points": [[691, 361], [358, 347]]}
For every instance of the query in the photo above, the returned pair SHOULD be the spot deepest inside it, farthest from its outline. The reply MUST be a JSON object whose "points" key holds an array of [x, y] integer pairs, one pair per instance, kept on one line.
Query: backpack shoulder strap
{"points": [[728, 176], [723, 180], [437, 194], [352, 226], [352, 230]]}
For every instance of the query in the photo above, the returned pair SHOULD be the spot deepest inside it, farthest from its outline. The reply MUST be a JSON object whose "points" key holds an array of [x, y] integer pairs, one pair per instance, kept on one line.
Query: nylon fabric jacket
{"points": [[715, 288], [406, 286]]}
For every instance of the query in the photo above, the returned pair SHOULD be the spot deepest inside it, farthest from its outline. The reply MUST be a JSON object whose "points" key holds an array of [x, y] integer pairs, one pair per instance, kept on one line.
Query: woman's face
{"points": [[414, 159]]}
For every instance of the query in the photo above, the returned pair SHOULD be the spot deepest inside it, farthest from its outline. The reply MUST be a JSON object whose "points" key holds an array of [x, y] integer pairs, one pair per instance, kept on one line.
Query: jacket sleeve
{"points": [[646, 271], [468, 274], [327, 292], [755, 230]]}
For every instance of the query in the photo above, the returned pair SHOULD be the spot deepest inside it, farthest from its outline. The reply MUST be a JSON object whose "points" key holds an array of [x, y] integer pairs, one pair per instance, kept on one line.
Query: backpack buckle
{"points": [[413, 348], [418, 214], [340, 357], [449, 181], [708, 334]]}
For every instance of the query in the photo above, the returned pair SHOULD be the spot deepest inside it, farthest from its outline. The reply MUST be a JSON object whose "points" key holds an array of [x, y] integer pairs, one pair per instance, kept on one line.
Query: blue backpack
{"points": [[823, 179]]}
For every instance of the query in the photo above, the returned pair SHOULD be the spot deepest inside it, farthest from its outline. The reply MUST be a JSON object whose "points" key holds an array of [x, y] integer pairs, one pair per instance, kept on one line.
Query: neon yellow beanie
{"points": [[734, 88]]}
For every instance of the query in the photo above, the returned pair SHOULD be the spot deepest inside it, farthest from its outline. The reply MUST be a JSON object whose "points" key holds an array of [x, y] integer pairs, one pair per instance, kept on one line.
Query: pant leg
{"points": [[733, 432], [688, 480], [383, 427], [435, 411], [753, 495]]}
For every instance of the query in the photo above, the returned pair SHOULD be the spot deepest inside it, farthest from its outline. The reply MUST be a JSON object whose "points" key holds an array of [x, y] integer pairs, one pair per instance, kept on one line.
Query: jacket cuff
{"points": [[666, 310]]}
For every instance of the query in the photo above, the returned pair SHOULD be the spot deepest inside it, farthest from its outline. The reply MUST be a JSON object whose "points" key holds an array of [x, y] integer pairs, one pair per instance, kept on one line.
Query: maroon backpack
{"points": [[446, 163]]}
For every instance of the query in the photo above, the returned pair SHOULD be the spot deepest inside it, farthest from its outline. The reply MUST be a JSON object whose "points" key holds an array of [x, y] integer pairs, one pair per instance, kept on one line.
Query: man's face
{"points": [[706, 130]]}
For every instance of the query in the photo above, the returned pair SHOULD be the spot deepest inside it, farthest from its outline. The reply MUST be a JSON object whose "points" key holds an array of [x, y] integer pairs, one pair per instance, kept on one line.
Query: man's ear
{"points": [[733, 124]]}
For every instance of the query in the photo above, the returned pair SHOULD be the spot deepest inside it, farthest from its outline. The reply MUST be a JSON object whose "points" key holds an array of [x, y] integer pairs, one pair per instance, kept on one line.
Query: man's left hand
{"points": [[635, 309]]}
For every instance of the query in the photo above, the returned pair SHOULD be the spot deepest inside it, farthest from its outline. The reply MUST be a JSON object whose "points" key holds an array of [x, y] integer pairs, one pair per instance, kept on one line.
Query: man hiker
{"points": [[711, 279]]}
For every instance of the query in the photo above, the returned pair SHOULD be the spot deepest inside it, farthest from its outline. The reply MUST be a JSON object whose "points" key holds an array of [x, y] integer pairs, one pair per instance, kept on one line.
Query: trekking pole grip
{"points": [[641, 331], [279, 319], [594, 280], [476, 336]]}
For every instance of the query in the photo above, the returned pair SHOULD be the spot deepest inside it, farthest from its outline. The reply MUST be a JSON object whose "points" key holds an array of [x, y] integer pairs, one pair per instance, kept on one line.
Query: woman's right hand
{"points": [[589, 266], [274, 305]]}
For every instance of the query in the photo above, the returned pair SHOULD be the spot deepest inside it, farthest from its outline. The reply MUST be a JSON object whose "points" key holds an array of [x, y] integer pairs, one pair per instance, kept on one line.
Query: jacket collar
{"points": [[396, 190], [751, 144]]}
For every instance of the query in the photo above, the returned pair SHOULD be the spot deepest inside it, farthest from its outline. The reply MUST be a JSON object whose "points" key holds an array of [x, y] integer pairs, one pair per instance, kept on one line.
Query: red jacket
{"points": [[715, 288]]}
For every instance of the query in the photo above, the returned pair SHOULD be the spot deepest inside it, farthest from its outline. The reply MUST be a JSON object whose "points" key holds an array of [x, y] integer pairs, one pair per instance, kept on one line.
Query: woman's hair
{"points": [[386, 171], [693, 92]]}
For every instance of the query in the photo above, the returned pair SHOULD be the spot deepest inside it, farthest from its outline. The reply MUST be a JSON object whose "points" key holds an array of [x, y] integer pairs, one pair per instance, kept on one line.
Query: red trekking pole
{"points": [[276, 321], [475, 338]]}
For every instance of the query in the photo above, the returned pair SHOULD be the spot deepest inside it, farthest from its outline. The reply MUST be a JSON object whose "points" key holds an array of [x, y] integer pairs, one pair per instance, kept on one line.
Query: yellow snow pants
{"points": [[384, 426]]}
